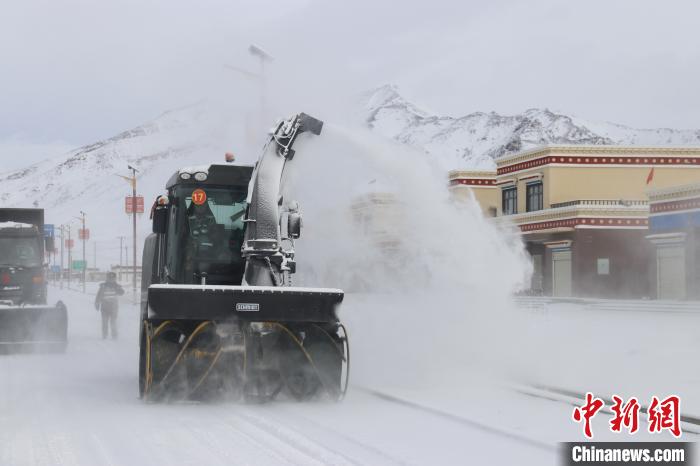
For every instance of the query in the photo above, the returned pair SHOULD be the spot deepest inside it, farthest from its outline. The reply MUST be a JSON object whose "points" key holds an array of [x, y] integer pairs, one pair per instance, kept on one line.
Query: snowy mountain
{"points": [[87, 178], [475, 140]]}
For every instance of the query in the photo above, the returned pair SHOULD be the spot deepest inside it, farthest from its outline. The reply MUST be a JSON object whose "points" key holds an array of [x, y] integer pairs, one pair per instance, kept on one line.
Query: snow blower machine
{"points": [[219, 315], [26, 321]]}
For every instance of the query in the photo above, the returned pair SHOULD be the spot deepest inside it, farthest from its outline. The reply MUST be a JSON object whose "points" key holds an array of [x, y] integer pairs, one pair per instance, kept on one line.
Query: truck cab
{"points": [[25, 319], [22, 265]]}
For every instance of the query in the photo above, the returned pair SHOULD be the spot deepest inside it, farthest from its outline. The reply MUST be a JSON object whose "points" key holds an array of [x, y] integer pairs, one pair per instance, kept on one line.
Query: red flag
{"points": [[650, 176]]}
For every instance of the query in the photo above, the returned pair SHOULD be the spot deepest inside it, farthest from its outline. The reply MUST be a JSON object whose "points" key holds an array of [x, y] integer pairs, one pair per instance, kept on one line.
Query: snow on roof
{"points": [[205, 168], [195, 169], [15, 225]]}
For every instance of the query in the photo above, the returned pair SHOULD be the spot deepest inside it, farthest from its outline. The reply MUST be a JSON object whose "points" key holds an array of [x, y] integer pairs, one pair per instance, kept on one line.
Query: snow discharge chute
{"points": [[219, 314]]}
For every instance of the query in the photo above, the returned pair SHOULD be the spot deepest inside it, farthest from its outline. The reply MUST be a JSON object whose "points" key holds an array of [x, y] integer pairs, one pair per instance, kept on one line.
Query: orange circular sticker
{"points": [[199, 196]]}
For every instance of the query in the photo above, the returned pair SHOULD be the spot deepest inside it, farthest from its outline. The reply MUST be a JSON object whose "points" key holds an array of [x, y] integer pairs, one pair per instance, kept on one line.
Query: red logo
{"points": [[199, 196], [661, 414], [626, 415], [586, 412], [665, 415]]}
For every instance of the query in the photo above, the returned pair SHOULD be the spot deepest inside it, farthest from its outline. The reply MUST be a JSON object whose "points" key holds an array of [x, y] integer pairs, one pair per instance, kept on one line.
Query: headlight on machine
{"points": [[185, 176], [200, 176]]}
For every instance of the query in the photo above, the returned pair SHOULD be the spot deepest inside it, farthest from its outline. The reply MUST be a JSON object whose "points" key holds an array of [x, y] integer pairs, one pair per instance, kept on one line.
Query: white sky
{"points": [[75, 71]]}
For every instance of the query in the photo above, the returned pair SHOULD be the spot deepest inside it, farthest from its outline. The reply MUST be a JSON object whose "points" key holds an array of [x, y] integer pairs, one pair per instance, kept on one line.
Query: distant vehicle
{"points": [[26, 321]]}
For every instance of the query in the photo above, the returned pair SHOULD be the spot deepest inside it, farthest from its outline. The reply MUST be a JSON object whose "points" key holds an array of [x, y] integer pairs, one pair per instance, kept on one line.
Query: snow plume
{"points": [[427, 280]]}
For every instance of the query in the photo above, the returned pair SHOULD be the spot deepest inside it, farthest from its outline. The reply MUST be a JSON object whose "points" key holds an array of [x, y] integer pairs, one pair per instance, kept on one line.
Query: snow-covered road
{"points": [[81, 408]]}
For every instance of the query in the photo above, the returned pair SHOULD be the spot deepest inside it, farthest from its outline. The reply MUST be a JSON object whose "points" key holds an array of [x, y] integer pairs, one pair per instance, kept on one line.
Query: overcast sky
{"points": [[75, 71]]}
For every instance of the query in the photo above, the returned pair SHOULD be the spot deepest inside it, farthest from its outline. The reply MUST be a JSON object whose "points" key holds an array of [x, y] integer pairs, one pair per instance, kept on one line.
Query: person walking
{"points": [[107, 301]]}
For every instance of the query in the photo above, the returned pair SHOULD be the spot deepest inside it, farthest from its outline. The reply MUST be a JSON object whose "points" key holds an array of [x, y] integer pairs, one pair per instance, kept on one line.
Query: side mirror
{"points": [[293, 220], [294, 225], [160, 220], [159, 215]]}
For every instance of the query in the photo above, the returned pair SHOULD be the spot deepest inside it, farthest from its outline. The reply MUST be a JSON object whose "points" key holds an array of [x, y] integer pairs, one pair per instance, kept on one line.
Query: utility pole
{"points": [[133, 214], [94, 254], [61, 273], [121, 256], [83, 235], [264, 58], [70, 257]]}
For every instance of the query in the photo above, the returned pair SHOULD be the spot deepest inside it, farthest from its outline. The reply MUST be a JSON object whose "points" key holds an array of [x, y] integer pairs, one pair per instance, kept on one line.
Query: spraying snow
{"points": [[428, 280]]}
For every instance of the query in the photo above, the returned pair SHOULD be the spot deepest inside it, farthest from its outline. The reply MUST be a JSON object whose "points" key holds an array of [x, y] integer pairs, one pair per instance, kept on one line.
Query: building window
{"points": [[534, 196], [510, 201]]}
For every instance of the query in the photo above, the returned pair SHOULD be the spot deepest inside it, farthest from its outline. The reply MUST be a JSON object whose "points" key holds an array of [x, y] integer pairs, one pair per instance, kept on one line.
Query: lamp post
{"points": [[61, 228], [263, 58], [70, 257], [133, 214]]}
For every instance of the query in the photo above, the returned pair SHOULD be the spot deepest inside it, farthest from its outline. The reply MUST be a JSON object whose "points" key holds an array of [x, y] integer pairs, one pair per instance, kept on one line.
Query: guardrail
{"points": [[543, 303]]}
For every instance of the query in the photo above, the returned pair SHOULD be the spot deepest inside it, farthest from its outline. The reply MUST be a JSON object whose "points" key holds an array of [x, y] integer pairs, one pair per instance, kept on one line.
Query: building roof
{"points": [[601, 155], [674, 192]]}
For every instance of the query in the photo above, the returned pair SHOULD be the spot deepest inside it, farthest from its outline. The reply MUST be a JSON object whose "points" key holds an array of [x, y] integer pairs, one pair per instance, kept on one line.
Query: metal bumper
{"points": [[250, 303], [33, 324]]}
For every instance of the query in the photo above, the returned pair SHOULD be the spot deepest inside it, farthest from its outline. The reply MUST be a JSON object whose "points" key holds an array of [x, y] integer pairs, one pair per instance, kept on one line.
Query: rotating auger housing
{"points": [[219, 317]]}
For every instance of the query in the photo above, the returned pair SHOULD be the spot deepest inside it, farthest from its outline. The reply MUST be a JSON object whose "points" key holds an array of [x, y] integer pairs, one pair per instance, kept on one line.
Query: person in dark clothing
{"points": [[107, 301]]}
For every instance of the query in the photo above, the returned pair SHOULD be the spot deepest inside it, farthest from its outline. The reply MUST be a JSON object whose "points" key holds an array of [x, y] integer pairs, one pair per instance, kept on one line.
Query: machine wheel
{"points": [[262, 379], [297, 372], [200, 361], [326, 349], [143, 354], [164, 378]]}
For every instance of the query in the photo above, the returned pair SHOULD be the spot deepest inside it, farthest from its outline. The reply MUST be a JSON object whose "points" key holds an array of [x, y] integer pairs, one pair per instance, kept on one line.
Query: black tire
{"points": [[299, 376], [142, 360]]}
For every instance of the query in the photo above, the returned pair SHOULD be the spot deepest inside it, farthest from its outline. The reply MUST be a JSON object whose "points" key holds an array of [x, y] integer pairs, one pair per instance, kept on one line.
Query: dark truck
{"points": [[25, 318]]}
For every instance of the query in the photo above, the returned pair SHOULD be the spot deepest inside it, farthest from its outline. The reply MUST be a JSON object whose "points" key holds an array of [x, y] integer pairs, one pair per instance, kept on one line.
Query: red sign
{"points": [[129, 204], [199, 196], [84, 234], [70, 243]]}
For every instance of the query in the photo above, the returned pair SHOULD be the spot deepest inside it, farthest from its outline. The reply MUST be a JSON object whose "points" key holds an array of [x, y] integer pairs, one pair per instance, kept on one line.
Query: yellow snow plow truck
{"points": [[26, 321], [219, 317]]}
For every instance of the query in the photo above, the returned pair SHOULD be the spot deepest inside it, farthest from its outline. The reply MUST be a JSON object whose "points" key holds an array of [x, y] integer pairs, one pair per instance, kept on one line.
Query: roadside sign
{"points": [[70, 243], [48, 230], [78, 265], [129, 204], [84, 233]]}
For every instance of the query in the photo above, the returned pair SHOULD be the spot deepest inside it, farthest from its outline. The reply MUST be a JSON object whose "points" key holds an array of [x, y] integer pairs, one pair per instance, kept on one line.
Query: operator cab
{"points": [[205, 226]]}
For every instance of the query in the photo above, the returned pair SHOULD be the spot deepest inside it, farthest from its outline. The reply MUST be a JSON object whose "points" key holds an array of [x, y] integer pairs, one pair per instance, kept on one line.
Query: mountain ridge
{"points": [[475, 140]]}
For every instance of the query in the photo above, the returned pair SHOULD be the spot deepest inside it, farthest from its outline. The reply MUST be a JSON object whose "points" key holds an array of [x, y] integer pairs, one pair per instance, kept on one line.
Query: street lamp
{"points": [[264, 58], [133, 214]]}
